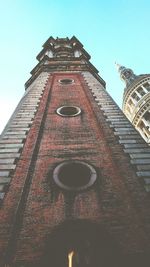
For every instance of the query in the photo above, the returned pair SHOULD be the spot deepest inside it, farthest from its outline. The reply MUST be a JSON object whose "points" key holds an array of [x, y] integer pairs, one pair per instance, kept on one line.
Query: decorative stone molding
{"points": [[68, 111], [141, 80], [136, 103], [124, 131], [13, 137], [74, 175]]}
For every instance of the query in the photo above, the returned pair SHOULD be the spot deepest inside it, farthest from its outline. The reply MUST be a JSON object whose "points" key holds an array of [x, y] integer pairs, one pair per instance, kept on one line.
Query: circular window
{"points": [[66, 81], [74, 175], [68, 111]]}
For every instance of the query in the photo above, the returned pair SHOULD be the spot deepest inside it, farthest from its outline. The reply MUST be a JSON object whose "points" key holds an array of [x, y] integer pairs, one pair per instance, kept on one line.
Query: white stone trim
{"points": [[16, 131], [124, 131]]}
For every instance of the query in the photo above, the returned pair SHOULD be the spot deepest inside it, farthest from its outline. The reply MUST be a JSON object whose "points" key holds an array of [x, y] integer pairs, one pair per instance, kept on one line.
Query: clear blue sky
{"points": [[117, 30]]}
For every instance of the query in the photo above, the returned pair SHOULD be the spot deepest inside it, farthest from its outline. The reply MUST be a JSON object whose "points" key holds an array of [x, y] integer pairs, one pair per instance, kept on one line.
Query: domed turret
{"points": [[126, 74], [136, 100]]}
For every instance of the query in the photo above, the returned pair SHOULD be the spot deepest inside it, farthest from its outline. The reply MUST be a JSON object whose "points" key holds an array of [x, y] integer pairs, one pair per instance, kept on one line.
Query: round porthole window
{"points": [[66, 81], [74, 175], [70, 111]]}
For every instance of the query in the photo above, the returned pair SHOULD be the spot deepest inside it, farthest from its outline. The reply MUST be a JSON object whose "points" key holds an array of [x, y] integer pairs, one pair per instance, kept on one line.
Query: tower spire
{"points": [[126, 74], [117, 65]]}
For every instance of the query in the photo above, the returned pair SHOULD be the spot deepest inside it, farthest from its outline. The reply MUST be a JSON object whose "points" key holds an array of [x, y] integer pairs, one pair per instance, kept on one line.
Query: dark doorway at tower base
{"points": [[89, 244]]}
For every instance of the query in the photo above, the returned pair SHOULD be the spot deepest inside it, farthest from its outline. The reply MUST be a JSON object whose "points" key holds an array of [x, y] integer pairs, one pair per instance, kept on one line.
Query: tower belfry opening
{"points": [[74, 172]]}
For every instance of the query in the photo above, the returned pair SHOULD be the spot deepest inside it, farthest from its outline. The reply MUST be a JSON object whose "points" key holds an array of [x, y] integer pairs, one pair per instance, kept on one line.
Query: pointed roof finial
{"points": [[117, 65], [126, 74]]}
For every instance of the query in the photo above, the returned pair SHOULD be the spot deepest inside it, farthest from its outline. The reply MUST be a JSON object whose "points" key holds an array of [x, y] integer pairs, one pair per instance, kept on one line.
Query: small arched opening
{"points": [[80, 244]]}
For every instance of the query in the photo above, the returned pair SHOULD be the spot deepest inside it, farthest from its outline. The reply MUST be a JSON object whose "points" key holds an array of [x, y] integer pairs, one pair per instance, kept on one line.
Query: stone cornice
{"points": [[143, 106], [129, 90]]}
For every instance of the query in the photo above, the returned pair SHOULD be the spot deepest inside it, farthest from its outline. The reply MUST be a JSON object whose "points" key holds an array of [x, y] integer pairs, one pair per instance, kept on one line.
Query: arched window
{"points": [[80, 243]]}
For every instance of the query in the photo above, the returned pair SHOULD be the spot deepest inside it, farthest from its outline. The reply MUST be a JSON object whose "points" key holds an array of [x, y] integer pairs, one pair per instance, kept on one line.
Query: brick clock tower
{"points": [[74, 173]]}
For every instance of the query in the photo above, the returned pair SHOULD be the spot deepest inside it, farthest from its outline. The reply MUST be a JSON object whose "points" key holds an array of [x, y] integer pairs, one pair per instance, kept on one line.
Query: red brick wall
{"points": [[116, 200]]}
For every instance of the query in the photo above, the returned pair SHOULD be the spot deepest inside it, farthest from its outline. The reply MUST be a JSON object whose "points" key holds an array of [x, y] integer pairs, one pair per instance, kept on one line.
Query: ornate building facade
{"points": [[136, 100], [74, 173]]}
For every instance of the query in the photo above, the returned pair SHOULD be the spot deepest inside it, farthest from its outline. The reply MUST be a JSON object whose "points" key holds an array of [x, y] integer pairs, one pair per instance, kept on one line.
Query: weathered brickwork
{"points": [[35, 207], [113, 201]]}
